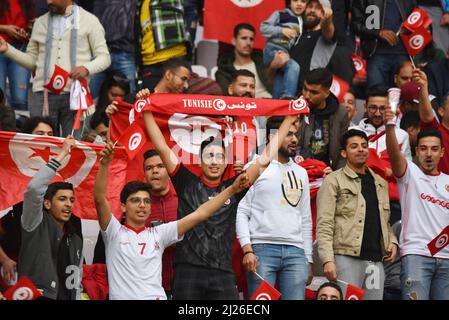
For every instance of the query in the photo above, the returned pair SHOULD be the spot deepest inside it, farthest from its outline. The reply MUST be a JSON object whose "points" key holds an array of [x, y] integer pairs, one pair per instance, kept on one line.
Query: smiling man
{"points": [[353, 232], [51, 252]]}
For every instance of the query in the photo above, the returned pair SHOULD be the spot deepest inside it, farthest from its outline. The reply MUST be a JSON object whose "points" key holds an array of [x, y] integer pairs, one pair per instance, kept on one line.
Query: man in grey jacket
{"points": [[51, 253]]}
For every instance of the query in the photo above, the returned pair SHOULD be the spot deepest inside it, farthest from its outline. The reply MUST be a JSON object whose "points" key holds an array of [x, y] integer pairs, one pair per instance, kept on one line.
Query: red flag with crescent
{"points": [[58, 80], [24, 154]]}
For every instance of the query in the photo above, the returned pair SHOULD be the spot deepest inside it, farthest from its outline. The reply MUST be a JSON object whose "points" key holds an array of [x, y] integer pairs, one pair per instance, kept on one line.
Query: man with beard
{"points": [[378, 31], [71, 38], [274, 224], [317, 44], [327, 121], [353, 232]]}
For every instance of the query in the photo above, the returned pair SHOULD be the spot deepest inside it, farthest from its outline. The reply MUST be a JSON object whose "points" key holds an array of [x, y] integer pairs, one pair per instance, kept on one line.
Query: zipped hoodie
{"points": [[276, 209]]}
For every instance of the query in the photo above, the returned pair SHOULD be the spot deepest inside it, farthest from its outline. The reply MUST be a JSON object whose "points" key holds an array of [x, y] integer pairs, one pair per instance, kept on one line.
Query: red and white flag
{"points": [[266, 292], [359, 65], [417, 19], [58, 80], [80, 100], [354, 292], [133, 139], [440, 242], [339, 87], [416, 41], [23, 155], [24, 289], [221, 16]]}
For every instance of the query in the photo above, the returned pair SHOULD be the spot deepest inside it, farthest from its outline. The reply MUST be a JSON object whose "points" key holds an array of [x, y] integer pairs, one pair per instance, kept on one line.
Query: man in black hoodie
{"points": [[327, 121]]}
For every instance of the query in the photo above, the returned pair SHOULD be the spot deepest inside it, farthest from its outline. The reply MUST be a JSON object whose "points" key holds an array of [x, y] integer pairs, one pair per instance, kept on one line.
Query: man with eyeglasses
{"points": [[133, 251], [373, 125], [203, 268], [175, 77]]}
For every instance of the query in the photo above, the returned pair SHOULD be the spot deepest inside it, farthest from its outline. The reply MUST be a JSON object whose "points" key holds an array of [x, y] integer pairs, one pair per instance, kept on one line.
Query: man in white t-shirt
{"points": [[134, 252], [424, 197]]}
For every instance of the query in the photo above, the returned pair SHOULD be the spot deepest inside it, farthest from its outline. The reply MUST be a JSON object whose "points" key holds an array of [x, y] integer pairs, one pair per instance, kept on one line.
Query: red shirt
{"points": [[444, 163], [15, 16], [165, 209]]}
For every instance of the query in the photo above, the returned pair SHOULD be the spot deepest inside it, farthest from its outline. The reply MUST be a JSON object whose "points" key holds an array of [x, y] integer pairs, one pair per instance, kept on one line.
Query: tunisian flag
{"points": [[221, 16], [440, 241], [24, 289], [266, 292], [354, 292], [416, 41], [58, 80], [24, 154]]}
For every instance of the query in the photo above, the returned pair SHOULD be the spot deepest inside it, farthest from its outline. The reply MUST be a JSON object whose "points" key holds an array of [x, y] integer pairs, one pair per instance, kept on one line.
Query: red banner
{"points": [[184, 134], [266, 292], [440, 242], [220, 105], [23, 155], [221, 16], [58, 80]]}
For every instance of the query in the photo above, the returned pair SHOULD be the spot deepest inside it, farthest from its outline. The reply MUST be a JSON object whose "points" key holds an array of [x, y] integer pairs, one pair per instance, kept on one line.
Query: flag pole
{"points": [[260, 277], [342, 282], [413, 62]]}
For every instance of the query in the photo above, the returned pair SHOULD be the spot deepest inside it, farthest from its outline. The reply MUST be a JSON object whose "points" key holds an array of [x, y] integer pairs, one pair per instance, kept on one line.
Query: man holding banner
{"points": [[203, 259]]}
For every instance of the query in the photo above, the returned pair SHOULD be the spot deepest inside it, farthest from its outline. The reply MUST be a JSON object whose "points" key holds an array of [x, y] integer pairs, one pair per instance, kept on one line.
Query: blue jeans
{"points": [[287, 264], [120, 61], [382, 67], [285, 84], [424, 278], [19, 80]]}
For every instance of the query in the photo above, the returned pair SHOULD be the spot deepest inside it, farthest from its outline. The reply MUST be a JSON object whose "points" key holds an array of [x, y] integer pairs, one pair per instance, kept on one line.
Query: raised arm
{"points": [[101, 185], [168, 157], [425, 107], [271, 150], [34, 195], [208, 208], [327, 25], [397, 159]]}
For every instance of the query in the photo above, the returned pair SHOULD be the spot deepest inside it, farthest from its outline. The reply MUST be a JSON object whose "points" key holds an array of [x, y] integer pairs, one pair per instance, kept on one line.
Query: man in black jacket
{"points": [[243, 57], [377, 22]]}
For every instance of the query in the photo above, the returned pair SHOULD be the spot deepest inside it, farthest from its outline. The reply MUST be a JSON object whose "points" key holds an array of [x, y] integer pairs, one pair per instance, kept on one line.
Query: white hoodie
{"points": [[276, 209]]}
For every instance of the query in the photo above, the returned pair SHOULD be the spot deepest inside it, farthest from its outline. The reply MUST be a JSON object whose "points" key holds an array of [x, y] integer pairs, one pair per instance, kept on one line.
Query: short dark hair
{"points": [[349, 134], [376, 91], [410, 119], [174, 64], [241, 73], [273, 123], [430, 132], [320, 76], [133, 187], [98, 118], [332, 285], [401, 65], [150, 153], [31, 124], [243, 26], [211, 141], [55, 187]]}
